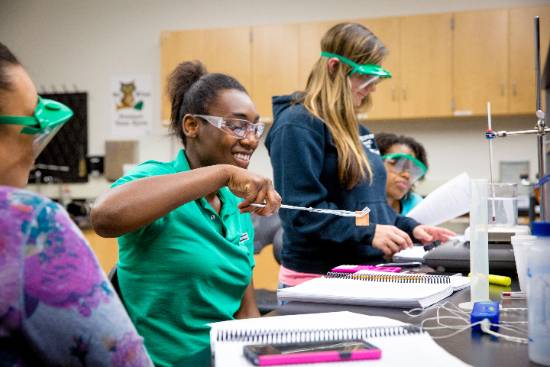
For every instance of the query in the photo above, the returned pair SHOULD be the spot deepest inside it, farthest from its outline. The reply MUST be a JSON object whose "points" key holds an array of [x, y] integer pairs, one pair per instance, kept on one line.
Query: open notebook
{"points": [[401, 344], [380, 289]]}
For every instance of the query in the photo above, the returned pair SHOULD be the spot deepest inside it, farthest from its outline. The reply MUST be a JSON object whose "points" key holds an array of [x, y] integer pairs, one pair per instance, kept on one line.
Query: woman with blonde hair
{"points": [[322, 157]]}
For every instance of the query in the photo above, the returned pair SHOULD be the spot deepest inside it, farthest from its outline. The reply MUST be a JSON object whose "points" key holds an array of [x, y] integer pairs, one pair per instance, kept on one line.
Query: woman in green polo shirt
{"points": [[185, 238]]}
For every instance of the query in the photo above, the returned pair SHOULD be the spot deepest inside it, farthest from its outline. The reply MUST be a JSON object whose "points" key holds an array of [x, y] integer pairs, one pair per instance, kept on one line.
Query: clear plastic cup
{"points": [[520, 244], [538, 294], [503, 204]]}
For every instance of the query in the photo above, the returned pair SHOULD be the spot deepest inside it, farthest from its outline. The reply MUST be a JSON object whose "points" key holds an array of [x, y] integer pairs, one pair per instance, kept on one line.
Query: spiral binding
{"points": [[393, 278], [278, 336]]}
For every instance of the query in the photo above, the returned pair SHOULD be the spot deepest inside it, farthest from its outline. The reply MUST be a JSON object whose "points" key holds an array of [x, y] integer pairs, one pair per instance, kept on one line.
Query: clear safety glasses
{"points": [[371, 73], [367, 80], [237, 127], [48, 118], [401, 162]]}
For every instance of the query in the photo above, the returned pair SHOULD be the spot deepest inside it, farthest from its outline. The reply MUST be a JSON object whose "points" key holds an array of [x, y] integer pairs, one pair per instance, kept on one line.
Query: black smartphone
{"points": [[279, 354]]}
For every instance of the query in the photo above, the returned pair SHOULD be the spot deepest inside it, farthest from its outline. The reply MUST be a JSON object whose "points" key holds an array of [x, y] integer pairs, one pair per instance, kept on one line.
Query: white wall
{"points": [[85, 43], [459, 145]]}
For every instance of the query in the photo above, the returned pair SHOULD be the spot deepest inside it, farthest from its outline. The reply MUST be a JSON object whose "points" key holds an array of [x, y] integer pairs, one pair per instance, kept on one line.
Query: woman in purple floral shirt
{"points": [[56, 306]]}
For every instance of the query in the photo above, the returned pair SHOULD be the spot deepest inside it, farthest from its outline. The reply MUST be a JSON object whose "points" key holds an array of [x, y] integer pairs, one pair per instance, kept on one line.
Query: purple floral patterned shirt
{"points": [[56, 305]]}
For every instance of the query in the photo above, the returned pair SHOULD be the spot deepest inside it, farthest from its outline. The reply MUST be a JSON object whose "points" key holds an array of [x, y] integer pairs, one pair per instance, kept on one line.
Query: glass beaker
{"points": [[503, 204]]}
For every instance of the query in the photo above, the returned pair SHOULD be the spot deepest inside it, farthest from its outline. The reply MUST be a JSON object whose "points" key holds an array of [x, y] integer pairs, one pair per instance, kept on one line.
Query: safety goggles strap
{"points": [[48, 115], [366, 69], [19, 120]]}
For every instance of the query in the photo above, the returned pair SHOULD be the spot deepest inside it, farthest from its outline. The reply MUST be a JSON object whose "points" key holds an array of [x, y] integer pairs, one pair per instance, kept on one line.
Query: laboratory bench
{"points": [[472, 348]]}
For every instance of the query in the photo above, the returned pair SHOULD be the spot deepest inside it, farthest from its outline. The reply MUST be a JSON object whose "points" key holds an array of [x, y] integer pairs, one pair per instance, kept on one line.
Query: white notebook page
{"points": [[406, 350], [350, 291]]}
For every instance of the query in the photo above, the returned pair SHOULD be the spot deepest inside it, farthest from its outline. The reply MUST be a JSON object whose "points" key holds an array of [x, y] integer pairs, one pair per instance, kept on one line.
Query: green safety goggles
{"points": [[372, 71], [401, 162], [48, 118]]}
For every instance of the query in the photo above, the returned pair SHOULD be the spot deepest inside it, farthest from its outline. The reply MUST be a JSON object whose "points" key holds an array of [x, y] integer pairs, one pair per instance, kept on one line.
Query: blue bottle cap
{"points": [[540, 229]]}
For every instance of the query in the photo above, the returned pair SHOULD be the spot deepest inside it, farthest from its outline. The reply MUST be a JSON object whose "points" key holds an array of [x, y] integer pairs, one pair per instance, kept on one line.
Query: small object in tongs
{"points": [[362, 219], [342, 213]]}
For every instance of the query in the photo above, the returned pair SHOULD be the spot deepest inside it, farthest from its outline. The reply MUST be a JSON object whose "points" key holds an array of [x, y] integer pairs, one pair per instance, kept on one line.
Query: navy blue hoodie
{"points": [[305, 167]]}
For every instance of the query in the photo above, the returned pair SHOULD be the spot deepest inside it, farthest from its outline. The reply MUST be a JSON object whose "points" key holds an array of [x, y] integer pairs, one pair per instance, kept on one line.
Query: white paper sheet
{"points": [[415, 253], [448, 201]]}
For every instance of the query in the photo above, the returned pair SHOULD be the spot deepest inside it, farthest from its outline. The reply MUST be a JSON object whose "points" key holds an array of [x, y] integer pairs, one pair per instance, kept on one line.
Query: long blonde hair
{"points": [[328, 96]]}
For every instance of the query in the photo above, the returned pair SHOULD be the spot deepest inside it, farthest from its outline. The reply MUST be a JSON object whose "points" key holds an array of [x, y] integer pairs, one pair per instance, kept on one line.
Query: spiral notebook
{"points": [[375, 289], [401, 344]]}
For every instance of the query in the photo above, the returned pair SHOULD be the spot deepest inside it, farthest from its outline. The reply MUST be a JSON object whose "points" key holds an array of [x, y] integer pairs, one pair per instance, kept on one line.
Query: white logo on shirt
{"points": [[244, 237]]}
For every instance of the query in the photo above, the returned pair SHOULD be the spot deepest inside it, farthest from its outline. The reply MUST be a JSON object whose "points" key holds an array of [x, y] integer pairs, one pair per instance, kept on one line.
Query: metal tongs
{"points": [[341, 213]]}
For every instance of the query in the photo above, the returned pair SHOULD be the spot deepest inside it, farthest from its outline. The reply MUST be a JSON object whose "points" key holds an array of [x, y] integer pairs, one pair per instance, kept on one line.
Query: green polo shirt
{"points": [[185, 270]]}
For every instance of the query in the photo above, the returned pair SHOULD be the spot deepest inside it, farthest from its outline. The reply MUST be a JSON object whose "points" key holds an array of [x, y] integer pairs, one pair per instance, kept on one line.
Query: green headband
{"points": [[421, 165], [48, 114], [365, 69]]}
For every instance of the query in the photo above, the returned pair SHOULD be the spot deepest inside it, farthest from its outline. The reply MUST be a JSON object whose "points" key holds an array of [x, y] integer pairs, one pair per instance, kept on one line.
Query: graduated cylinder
{"points": [[479, 241]]}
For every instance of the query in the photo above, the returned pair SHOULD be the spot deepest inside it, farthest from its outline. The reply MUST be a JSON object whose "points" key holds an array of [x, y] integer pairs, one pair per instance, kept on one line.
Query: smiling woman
{"points": [[185, 239]]}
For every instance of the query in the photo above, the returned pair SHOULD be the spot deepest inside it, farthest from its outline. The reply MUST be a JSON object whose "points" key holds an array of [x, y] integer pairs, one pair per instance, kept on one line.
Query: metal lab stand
{"points": [[540, 130]]}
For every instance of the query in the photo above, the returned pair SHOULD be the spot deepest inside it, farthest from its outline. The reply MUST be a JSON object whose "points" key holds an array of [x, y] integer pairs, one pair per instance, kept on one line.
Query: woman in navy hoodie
{"points": [[322, 157]]}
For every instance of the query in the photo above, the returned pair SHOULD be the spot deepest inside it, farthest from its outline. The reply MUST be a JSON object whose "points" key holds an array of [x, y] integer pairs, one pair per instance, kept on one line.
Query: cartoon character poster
{"points": [[131, 106]]}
